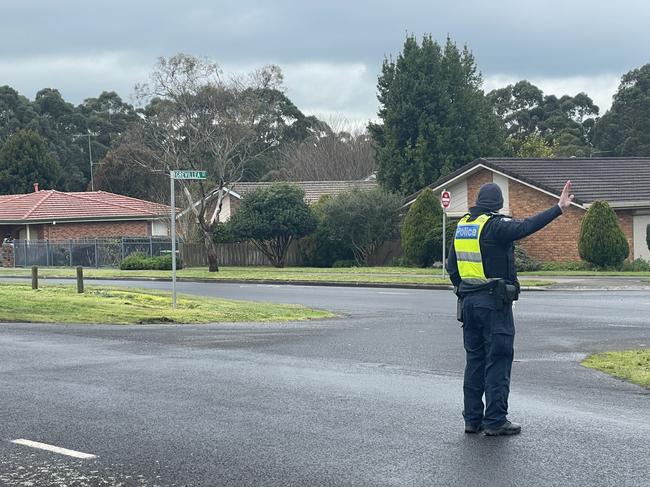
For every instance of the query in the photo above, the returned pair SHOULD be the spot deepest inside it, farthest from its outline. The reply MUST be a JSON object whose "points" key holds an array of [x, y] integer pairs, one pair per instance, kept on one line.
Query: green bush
{"points": [[602, 242], [569, 265], [400, 261], [420, 239], [362, 220], [637, 265], [524, 262], [345, 263], [222, 233], [272, 218], [140, 261], [434, 240], [322, 248]]}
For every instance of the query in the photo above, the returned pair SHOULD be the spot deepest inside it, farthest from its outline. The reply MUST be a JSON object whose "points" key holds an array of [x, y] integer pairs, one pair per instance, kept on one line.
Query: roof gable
{"points": [[622, 180]]}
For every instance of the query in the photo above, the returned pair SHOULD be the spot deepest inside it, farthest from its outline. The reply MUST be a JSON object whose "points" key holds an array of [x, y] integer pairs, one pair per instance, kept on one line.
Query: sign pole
{"points": [[173, 175], [444, 235], [173, 233], [445, 201]]}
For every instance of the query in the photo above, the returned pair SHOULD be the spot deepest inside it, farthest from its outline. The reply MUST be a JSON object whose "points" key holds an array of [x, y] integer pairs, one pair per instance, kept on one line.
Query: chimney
{"points": [[35, 187]]}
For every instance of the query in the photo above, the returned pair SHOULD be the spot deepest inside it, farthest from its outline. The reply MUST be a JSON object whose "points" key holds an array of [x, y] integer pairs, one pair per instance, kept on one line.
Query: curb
{"points": [[379, 285]]}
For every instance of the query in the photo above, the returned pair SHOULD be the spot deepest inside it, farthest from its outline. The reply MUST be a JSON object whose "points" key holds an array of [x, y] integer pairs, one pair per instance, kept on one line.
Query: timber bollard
{"points": [[80, 279], [34, 277]]}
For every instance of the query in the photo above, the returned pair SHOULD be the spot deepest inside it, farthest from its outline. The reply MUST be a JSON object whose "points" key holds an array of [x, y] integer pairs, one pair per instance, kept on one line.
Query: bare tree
{"points": [[329, 155], [196, 120]]}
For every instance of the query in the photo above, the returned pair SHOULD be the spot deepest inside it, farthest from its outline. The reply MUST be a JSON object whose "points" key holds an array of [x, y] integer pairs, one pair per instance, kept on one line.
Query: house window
{"points": [[159, 228]]}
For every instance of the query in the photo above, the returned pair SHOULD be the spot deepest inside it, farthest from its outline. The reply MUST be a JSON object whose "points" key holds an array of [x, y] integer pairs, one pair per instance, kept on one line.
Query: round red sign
{"points": [[445, 199]]}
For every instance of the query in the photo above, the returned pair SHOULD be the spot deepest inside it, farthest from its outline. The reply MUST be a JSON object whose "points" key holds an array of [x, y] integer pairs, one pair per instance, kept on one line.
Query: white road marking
{"points": [[386, 292], [52, 448]]}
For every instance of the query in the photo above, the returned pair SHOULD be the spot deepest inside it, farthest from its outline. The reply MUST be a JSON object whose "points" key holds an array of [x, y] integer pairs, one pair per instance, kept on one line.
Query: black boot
{"points": [[472, 429], [505, 429]]}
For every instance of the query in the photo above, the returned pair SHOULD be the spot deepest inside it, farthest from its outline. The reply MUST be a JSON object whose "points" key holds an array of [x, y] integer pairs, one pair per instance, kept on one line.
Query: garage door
{"points": [[641, 250]]}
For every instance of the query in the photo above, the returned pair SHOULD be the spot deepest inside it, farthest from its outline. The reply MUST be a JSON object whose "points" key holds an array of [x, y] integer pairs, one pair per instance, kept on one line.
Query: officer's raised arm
{"points": [[509, 230]]}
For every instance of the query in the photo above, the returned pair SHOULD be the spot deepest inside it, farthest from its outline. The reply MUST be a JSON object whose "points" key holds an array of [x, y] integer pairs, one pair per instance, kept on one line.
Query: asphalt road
{"points": [[372, 398]]}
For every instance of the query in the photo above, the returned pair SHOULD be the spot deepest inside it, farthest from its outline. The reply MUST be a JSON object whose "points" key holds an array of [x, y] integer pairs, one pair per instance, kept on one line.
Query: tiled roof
{"points": [[611, 179], [313, 189], [55, 205], [614, 179]]}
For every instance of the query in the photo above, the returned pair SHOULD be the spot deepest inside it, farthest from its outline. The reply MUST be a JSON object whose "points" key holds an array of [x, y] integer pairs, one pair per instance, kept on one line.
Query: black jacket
{"points": [[497, 242]]}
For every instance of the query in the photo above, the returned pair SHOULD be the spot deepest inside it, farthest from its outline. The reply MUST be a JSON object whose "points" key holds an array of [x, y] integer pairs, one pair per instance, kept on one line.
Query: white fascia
{"points": [[483, 166]]}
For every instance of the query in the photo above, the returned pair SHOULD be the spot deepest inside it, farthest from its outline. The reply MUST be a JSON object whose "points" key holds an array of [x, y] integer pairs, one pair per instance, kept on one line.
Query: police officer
{"points": [[481, 266]]}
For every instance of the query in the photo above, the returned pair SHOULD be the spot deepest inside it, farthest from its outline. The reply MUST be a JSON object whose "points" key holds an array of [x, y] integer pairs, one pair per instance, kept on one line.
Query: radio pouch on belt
{"points": [[512, 292], [504, 293]]}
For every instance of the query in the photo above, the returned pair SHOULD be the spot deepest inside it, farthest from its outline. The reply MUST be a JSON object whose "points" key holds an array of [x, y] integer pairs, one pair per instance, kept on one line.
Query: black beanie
{"points": [[490, 197]]}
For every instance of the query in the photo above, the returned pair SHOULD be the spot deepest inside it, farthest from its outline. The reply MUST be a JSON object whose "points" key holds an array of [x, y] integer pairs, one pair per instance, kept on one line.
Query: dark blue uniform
{"points": [[488, 324]]}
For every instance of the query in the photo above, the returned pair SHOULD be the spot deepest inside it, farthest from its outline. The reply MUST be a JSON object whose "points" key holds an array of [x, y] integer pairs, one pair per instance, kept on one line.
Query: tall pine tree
{"points": [[434, 115], [625, 129]]}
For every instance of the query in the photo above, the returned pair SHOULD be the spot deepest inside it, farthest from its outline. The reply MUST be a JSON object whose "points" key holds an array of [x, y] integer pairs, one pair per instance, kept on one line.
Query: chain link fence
{"points": [[101, 252]]}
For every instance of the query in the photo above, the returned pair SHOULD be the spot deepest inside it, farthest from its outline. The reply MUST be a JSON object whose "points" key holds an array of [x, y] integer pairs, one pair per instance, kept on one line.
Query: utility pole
{"points": [[90, 156]]}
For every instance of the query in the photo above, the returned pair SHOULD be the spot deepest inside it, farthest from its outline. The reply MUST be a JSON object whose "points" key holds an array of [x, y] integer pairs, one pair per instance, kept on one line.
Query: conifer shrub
{"points": [[602, 242], [421, 231]]}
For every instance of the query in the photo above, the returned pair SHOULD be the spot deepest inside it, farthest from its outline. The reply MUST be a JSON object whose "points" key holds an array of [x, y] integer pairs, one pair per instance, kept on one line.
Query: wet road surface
{"points": [[371, 398]]}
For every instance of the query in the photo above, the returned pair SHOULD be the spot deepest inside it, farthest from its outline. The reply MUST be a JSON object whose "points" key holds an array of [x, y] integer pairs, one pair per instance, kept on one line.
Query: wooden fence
{"points": [[246, 254], [235, 254]]}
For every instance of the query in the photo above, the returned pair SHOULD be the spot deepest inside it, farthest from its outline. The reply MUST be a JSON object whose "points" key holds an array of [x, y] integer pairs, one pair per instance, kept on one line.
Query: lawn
{"points": [[357, 275], [587, 273], [631, 365], [101, 304]]}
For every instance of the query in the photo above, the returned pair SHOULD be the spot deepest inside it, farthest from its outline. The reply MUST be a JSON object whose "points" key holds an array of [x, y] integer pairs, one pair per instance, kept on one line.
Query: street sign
{"points": [[190, 174], [173, 176], [445, 199]]}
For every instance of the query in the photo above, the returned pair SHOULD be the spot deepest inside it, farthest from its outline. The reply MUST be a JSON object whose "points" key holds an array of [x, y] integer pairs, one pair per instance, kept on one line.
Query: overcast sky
{"points": [[330, 51]]}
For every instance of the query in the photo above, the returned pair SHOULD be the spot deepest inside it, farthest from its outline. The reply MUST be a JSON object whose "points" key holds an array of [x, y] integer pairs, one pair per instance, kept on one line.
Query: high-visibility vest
{"points": [[468, 248]]}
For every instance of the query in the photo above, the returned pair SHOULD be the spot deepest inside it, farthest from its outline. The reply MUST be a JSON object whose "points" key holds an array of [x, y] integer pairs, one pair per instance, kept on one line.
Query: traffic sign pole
{"points": [[444, 243], [173, 232], [445, 200]]}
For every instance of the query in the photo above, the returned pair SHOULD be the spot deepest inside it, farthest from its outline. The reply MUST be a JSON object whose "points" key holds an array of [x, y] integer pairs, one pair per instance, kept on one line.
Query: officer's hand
{"points": [[566, 198]]}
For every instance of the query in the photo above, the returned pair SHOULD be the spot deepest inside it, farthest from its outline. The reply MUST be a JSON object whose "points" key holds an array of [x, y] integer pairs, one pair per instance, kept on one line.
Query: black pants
{"points": [[488, 336]]}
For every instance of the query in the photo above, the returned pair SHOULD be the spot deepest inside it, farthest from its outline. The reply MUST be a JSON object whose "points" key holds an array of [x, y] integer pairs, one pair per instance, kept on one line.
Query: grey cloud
{"points": [[552, 39], [566, 38]]}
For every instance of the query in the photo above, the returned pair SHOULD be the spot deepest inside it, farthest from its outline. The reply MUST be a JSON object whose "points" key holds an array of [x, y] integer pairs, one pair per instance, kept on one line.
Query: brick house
{"points": [[55, 215], [532, 185]]}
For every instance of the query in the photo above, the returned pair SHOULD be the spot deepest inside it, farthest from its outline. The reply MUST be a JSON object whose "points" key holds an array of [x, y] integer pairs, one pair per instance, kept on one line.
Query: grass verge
{"points": [[587, 273], [357, 275], [62, 304], [631, 365]]}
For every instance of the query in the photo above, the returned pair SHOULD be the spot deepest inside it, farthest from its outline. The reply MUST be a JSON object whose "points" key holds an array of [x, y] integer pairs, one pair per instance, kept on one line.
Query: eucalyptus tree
{"points": [[196, 119]]}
